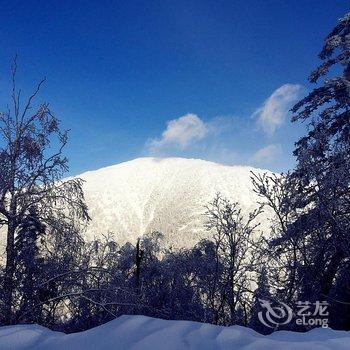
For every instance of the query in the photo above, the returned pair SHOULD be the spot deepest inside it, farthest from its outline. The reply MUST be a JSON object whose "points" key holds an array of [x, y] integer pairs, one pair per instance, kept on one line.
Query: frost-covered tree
{"points": [[322, 174], [209, 270], [29, 266], [32, 165], [236, 239], [310, 235], [285, 248]]}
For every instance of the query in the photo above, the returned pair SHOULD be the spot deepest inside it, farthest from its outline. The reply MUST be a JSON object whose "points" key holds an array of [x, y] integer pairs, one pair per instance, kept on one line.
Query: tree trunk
{"points": [[9, 273], [330, 273]]}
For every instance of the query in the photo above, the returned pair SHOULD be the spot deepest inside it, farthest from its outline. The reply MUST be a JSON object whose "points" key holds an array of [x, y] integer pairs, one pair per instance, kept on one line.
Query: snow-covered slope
{"points": [[168, 195], [145, 333]]}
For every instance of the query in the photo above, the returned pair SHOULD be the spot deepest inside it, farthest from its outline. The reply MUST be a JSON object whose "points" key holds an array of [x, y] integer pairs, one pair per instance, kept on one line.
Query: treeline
{"points": [[65, 283], [51, 276]]}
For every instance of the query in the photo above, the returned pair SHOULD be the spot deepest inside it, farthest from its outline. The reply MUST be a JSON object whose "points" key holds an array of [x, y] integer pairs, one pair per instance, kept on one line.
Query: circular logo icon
{"points": [[274, 315]]}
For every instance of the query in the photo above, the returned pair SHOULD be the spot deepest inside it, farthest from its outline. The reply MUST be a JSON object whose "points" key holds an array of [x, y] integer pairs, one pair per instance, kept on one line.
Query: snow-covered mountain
{"points": [[166, 194]]}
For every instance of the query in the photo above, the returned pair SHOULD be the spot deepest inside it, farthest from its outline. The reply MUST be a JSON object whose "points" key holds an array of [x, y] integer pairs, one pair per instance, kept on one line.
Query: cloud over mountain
{"points": [[179, 133], [272, 113]]}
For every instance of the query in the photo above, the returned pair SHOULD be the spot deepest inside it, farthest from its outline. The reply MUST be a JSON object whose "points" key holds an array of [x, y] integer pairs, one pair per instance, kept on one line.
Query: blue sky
{"points": [[206, 79]]}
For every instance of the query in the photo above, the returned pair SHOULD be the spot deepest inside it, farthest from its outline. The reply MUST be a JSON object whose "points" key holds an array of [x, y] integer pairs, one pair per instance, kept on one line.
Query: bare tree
{"points": [[275, 192], [32, 165], [236, 239]]}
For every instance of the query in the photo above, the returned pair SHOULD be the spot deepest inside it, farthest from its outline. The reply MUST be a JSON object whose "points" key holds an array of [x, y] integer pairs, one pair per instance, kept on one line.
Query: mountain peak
{"points": [[171, 161], [164, 194]]}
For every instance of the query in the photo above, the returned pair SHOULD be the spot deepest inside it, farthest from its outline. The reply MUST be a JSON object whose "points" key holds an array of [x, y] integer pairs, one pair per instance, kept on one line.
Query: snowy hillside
{"points": [[145, 333], [168, 195]]}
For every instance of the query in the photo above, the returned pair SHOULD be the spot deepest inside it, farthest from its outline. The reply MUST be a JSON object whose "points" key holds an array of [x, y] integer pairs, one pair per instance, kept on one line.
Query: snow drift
{"points": [[145, 333], [163, 194]]}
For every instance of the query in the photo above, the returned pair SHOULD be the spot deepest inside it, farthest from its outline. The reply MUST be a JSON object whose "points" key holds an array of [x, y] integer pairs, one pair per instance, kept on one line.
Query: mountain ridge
{"points": [[159, 159], [168, 195]]}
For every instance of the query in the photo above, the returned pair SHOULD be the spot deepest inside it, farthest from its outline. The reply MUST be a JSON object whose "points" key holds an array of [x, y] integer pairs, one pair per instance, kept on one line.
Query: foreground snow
{"points": [[140, 332]]}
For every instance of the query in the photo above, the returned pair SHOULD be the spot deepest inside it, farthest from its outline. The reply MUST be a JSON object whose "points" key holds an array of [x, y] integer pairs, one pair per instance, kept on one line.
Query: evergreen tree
{"points": [[322, 174], [261, 292]]}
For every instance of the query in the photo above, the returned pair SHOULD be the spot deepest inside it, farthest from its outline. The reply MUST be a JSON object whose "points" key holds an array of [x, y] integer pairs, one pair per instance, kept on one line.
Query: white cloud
{"points": [[267, 154], [180, 133], [272, 113]]}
